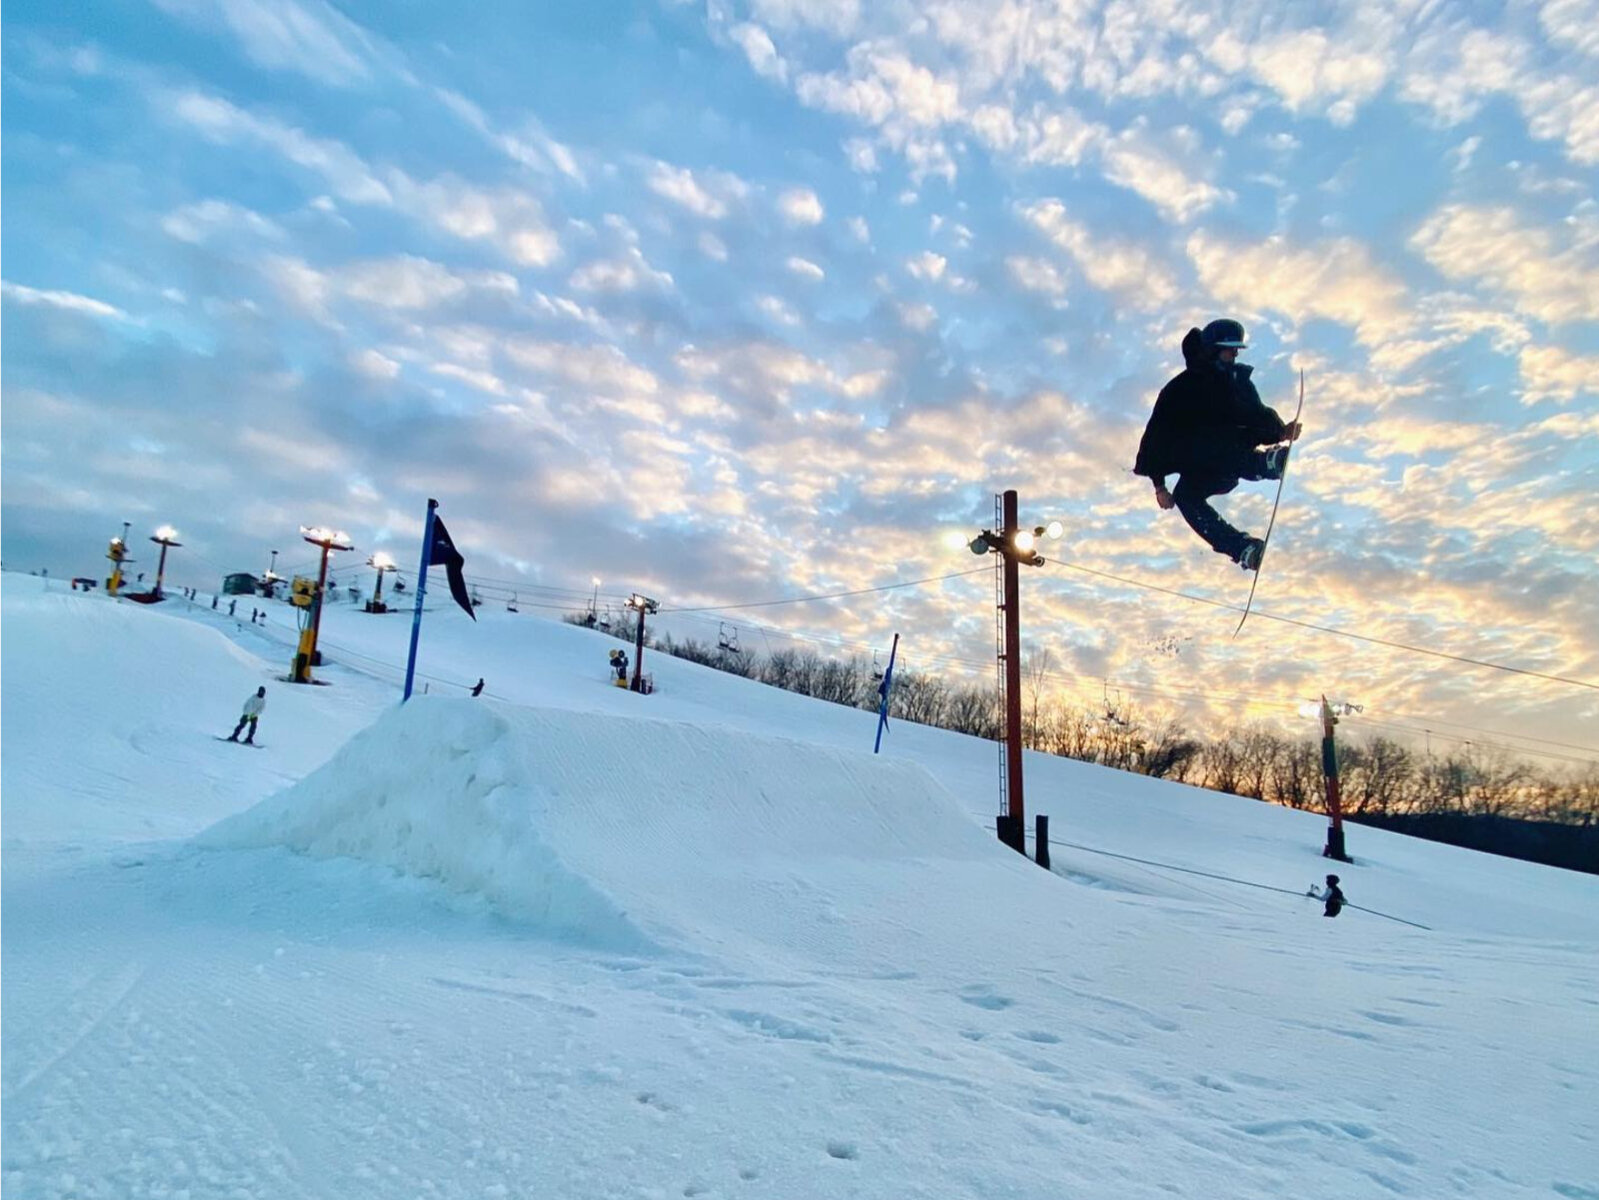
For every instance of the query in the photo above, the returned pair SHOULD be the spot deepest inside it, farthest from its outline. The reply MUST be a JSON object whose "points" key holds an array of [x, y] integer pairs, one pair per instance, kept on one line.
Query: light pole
{"points": [[643, 604], [1015, 546], [1329, 773], [117, 552], [379, 562], [269, 581], [329, 541], [165, 537], [594, 604]]}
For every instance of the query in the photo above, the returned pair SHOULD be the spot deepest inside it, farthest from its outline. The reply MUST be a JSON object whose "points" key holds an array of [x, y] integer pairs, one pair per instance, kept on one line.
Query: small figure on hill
{"points": [[477, 688], [1332, 898], [1207, 427], [253, 705], [619, 665], [232, 604]]}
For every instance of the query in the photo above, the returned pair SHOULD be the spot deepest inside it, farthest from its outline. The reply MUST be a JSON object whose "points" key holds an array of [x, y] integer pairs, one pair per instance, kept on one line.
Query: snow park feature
{"points": [[574, 942]]}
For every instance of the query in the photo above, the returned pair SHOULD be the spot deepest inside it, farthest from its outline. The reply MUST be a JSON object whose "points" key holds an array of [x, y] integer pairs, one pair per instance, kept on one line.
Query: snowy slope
{"points": [[573, 942]]}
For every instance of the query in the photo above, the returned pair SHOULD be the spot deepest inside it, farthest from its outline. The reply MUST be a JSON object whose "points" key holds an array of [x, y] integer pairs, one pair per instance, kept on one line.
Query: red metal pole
{"points": [[1329, 772], [1015, 808]]}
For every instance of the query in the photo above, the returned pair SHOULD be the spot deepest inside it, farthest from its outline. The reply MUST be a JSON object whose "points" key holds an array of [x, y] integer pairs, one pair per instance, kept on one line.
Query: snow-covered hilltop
{"points": [[566, 941]]}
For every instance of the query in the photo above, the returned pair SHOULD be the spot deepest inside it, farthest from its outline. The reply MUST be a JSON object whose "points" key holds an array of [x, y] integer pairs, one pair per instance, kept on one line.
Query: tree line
{"points": [[1383, 781]]}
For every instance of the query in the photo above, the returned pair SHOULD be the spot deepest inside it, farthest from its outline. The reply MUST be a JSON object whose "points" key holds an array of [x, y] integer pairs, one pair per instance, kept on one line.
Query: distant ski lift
{"points": [[727, 638], [877, 669], [605, 619], [1113, 712], [477, 601], [399, 584], [510, 605]]}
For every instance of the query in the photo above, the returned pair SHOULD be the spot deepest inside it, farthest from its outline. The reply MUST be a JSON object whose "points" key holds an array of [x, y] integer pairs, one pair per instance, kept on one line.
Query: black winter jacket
{"points": [[1204, 417]]}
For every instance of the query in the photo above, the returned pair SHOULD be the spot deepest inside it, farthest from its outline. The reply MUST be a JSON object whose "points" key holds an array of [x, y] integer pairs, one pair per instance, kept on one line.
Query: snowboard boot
{"points": [[1249, 556], [1276, 461]]}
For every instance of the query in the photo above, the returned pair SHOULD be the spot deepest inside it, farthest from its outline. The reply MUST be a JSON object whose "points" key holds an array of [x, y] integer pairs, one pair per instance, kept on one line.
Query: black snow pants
{"points": [[1195, 487]]}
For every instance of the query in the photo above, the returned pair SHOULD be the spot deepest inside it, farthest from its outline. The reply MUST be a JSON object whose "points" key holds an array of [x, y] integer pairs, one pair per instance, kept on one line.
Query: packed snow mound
{"points": [[436, 790], [581, 823]]}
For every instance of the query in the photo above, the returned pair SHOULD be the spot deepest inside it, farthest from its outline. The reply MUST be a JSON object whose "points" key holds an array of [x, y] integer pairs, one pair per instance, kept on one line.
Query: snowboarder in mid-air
{"points": [[1208, 428], [253, 706]]}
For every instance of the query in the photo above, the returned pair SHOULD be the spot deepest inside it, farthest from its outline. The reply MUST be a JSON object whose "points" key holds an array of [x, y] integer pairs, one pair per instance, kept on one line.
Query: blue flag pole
{"points": [[421, 591], [883, 690]]}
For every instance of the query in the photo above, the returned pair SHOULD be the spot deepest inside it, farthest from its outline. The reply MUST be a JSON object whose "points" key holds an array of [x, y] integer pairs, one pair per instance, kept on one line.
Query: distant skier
{"points": [[1207, 427], [619, 665], [253, 706], [477, 688], [1332, 898]]}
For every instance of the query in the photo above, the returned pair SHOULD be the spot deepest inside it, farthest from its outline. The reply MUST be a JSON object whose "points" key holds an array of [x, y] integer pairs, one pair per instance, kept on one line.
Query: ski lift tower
{"points": [[379, 562], [643, 605]]}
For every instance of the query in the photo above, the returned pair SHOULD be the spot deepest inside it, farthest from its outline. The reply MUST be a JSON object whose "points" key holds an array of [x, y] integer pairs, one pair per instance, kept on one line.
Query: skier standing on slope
{"points": [[1207, 428], [253, 705]]}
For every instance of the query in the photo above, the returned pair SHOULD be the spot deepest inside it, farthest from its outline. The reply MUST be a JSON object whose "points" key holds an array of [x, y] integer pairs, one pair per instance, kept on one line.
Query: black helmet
{"points": [[1223, 333], [1333, 879]]}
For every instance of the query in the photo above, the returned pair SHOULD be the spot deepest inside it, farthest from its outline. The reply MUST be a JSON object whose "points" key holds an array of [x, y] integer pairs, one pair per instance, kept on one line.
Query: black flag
{"points": [[444, 554]]}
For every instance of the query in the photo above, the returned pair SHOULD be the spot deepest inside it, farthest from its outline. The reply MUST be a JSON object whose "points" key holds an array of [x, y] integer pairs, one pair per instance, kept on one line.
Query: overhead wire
{"points": [[887, 587], [1554, 755], [1328, 629]]}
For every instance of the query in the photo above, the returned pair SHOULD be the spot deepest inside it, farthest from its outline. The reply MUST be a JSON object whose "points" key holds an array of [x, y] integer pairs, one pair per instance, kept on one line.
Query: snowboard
{"points": [[1266, 541], [252, 745]]}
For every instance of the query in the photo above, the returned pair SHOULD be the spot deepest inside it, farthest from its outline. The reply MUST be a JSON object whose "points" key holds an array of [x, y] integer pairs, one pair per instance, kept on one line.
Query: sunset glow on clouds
{"points": [[739, 301]]}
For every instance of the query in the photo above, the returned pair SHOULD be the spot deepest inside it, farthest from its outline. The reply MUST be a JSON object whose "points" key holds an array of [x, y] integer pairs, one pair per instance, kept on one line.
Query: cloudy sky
{"points": [[732, 302]]}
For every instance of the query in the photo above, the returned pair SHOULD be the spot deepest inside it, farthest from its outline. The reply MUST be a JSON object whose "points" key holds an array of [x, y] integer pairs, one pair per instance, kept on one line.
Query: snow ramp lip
{"points": [[579, 823], [431, 791]]}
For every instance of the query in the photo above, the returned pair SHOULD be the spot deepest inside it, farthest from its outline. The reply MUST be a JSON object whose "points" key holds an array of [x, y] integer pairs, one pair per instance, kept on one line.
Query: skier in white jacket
{"points": [[252, 713]]}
